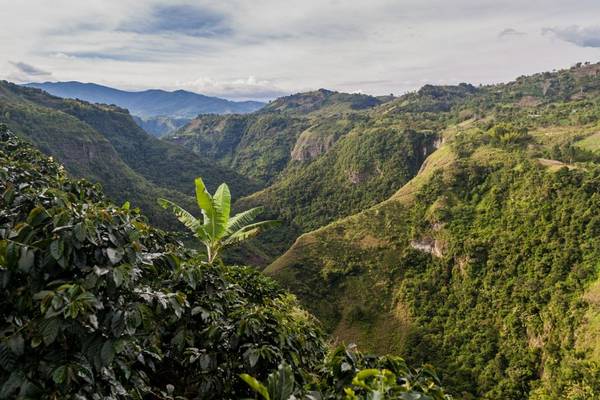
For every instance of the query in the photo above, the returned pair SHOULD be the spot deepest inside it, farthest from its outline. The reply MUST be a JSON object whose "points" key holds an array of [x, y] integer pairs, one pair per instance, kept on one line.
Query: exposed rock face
{"points": [[546, 86], [429, 245], [311, 144]]}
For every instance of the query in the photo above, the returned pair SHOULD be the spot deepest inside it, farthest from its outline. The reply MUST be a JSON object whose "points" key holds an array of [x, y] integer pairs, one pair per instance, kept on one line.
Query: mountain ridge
{"points": [[149, 102]]}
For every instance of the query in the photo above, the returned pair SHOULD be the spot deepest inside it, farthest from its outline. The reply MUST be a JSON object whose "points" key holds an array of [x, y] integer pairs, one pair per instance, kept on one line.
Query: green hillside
{"points": [[486, 262], [260, 145], [103, 144], [97, 303]]}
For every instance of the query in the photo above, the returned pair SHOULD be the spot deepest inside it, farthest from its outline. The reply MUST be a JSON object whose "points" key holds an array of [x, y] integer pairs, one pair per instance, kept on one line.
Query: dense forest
{"points": [[485, 263], [452, 232]]}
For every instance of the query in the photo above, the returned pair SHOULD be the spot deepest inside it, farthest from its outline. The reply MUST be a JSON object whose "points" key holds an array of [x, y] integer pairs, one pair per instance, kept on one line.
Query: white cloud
{"points": [[580, 36], [239, 89], [379, 46], [23, 72]]}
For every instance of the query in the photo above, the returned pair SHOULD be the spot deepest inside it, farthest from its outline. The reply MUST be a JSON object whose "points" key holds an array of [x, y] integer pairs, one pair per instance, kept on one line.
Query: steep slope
{"points": [[257, 145], [292, 147], [344, 164], [103, 143], [486, 262], [260, 145], [149, 103]]}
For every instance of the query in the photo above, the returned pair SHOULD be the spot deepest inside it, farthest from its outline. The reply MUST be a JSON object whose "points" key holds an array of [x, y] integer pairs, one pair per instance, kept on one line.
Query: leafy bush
{"points": [[97, 304], [348, 374]]}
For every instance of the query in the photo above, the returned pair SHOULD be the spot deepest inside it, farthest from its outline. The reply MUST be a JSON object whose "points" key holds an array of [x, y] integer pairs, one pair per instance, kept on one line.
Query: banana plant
{"points": [[218, 229]]}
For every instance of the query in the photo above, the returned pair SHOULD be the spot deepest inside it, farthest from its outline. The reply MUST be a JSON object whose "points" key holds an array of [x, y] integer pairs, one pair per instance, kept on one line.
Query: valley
{"points": [[454, 226]]}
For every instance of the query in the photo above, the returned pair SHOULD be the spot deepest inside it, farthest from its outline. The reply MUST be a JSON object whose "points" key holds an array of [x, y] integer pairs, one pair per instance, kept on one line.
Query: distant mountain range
{"points": [[158, 111]]}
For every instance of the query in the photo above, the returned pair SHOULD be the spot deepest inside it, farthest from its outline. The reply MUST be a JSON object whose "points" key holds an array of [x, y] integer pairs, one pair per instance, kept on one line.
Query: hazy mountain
{"points": [[148, 104]]}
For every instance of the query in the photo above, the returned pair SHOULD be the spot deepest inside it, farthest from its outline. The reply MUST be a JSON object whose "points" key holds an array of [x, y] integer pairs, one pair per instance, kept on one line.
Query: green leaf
{"points": [[107, 354], [206, 204], [114, 255], [256, 386], [57, 248], [12, 254], [37, 216], [117, 276], [35, 342], [238, 221], [222, 203], [16, 343], [281, 382], [60, 374], [49, 330], [185, 218], [27, 259], [80, 231]]}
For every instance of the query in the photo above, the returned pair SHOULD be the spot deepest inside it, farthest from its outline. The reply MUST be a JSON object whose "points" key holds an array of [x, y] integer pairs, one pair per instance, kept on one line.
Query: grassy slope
{"points": [[499, 308]]}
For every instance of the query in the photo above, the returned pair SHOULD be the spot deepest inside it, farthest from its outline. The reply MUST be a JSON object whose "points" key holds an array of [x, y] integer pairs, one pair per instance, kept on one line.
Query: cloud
{"points": [[23, 72], [179, 19], [238, 89], [577, 35], [29, 69], [510, 32], [376, 47]]}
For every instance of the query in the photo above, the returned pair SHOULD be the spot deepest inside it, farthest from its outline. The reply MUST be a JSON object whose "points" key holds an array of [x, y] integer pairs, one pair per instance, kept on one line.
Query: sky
{"points": [[262, 49]]}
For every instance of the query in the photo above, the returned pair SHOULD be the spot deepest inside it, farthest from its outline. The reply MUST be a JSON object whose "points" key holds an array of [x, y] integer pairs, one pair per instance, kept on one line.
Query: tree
{"points": [[218, 230]]}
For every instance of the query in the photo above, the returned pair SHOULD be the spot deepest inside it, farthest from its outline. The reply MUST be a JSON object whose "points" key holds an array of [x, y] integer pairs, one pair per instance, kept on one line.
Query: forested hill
{"points": [[103, 143], [485, 263], [97, 303]]}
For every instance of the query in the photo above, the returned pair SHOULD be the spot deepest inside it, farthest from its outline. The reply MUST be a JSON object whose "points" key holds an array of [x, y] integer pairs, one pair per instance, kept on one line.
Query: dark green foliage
{"points": [[256, 145], [97, 303], [347, 373], [486, 263], [529, 256], [362, 169]]}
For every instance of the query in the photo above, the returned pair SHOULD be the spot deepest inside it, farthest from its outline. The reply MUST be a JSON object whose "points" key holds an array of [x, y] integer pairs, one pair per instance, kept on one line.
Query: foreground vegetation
{"points": [[96, 303]]}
